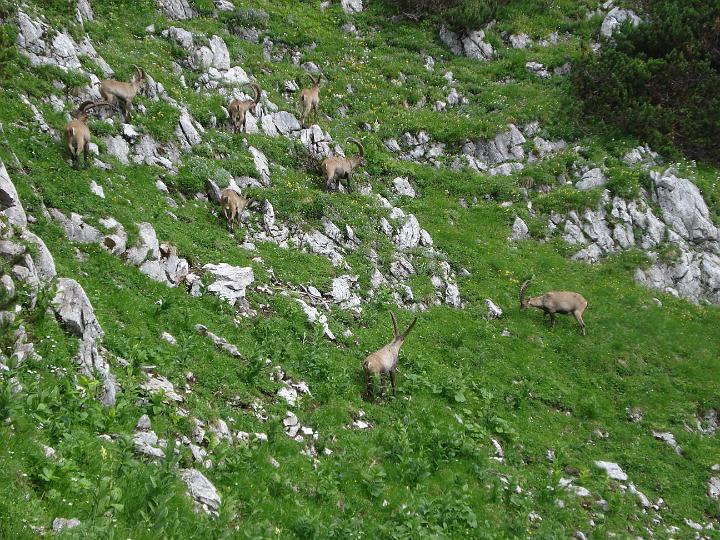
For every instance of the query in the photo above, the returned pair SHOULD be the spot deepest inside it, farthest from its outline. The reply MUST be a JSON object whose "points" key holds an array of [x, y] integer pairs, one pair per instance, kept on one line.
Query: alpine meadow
{"points": [[372, 269]]}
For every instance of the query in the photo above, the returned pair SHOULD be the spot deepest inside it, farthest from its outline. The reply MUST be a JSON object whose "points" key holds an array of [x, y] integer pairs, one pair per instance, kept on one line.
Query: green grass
{"points": [[541, 388]]}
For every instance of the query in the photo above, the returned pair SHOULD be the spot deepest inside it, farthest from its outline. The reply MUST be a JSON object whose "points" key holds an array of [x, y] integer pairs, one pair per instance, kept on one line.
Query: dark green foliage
{"points": [[660, 81], [459, 14]]}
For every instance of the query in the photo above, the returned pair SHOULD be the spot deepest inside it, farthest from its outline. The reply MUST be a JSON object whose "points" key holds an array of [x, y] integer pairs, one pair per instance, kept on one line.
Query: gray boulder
{"points": [[201, 490], [616, 18], [176, 9], [594, 178], [351, 6], [10, 205]]}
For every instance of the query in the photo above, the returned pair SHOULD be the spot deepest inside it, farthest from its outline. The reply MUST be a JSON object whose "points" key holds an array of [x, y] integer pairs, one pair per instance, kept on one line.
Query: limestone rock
{"points": [[201, 490], [230, 281], [176, 9], [351, 6], [616, 18]]}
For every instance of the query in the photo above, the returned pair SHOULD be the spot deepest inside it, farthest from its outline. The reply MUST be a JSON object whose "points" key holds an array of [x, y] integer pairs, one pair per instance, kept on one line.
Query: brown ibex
{"points": [[77, 132], [113, 91], [233, 204], [238, 108], [310, 98], [336, 168], [385, 360], [564, 302]]}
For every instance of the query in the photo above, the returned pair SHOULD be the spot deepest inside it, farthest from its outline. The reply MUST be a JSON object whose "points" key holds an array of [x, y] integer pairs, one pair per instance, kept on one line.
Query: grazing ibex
{"points": [[77, 132], [233, 204], [385, 360], [564, 302], [310, 98], [113, 91], [336, 168], [238, 108]]}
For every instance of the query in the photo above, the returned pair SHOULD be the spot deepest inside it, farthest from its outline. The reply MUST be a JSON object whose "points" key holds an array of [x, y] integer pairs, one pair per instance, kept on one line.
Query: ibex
{"points": [[336, 168], [310, 98], [238, 108], [113, 91], [77, 133], [385, 360], [564, 302], [233, 204]]}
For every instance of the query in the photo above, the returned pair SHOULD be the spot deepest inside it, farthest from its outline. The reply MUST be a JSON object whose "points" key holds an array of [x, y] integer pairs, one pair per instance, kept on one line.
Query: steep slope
{"points": [[193, 382]]}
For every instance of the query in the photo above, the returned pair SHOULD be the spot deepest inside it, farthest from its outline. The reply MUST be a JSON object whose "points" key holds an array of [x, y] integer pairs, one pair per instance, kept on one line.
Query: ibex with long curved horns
{"points": [[310, 98], [564, 302], [239, 107], [385, 360], [336, 168], [77, 132], [113, 91]]}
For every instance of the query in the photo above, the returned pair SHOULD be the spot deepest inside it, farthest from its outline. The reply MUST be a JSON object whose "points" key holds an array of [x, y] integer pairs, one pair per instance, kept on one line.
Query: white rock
{"points": [[594, 178], [616, 18], [403, 187], [97, 189], [494, 311], [201, 490], [613, 470], [230, 281], [520, 230]]}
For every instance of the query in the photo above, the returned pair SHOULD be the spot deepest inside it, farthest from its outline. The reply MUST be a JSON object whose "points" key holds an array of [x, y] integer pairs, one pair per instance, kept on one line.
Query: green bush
{"points": [[458, 14], [659, 81]]}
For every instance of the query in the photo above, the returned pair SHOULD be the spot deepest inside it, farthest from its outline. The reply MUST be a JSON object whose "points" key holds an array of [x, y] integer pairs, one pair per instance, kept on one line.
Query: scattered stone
{"points": [[169, 338], [201, 490], [714, 488], [615, 19], [159, 384], [403, 187], [669, 439], [351, 7], [520, 230], [230, 281], [494, 311], [146, 441], [594, 178], [60, 524], [613, 470], [219, 342]]}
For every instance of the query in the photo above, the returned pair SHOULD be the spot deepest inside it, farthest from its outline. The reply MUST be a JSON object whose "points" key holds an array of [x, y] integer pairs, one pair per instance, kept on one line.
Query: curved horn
{"points": [[412, 325], [140, 72], [396, 332], [84, 105], [93, 104], [523, 288], [359, 145], [316, 82], [257, 92]]}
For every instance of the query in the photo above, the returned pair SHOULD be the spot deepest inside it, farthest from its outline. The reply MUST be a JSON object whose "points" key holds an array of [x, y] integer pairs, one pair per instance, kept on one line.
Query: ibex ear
{"points": [[396, 332]]}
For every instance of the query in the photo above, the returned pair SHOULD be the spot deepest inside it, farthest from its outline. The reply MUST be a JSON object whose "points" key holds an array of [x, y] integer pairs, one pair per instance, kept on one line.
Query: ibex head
{"points": [[316, 82], [360, 158], [139, 79]]}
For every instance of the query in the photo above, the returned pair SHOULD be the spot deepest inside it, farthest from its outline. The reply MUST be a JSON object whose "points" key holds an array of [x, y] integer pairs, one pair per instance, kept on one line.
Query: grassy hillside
{"points": [[554, 401]]}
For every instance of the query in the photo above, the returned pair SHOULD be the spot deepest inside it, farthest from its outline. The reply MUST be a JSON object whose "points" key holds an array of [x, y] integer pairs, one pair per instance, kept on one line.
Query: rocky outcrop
{"points": [[230, 281], [351, 6], [177, 10], [202, 491], [682, 243], [41, 46], [471, 44], [75, 312], [616, 18]]}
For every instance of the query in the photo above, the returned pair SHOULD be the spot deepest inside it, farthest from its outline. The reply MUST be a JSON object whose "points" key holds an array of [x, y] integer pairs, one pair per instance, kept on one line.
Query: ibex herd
{"points": [[335, 169]]}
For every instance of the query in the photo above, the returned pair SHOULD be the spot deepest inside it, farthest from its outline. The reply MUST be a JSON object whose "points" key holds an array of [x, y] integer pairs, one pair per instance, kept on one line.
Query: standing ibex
{"points": [[238, 108], [310, 98], [563, 302], [113, 91], [233, 204], [385, 360], [337, 168], [77, 133]]}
